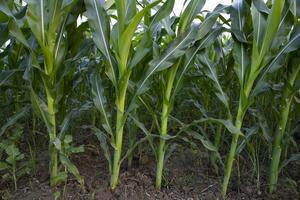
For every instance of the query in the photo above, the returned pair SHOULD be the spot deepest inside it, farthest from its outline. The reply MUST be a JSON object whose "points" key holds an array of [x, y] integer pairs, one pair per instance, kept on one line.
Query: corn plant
{"points": [[115, 44], [287, 99], [171, 79], [248, 68], [47, 21]]}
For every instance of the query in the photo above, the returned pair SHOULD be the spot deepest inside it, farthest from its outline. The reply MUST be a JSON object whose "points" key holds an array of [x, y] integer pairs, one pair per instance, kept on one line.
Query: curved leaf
{"points": [[99, 24]]}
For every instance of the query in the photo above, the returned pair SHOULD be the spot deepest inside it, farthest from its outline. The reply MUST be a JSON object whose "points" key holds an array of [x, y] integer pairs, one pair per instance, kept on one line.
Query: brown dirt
{"points": [[188, 176]]}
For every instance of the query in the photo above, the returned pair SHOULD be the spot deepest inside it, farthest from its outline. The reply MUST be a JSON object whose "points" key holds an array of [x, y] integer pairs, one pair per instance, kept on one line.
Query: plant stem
{"points": [[120, 103], [161, 149], [14, 177], [52, 135], [217, 142], [132, 139], [164, 124], [234, 142], [276, 154], [284, 114]]}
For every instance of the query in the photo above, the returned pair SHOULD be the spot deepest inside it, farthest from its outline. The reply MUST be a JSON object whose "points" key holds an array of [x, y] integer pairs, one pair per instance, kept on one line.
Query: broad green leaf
{"points": [[190, 56], [121, 11], [237, 16], [100, 101], [13, 120], [209, 21], [206, 142], [259, 23], [238, 12], [273, 22], [210, 71], [60, 47], [292, 158], [189, 14], [261, 6], [163, 12], [36, 19], [41, 110], [16, 32], [66, 123], [14, 154], [248, 136], [61, 177], [292, 45], [167, 59], [143, 48], [127, 35], [98, 21], [57, 144], [5, 9], [242, 60], [130, 10], [71, 168], [103, 143], [4, 37], [227, 123], [5, 75], [3, 166]]}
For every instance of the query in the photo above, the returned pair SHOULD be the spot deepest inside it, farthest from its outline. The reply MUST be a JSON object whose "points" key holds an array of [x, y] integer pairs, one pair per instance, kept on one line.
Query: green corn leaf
{"points": [[36, 18], [189, 14], [130, 10], [103, 143], [211, 73], [71, 167], [292, 158], [121, 11], [163, 12], [250, 132], [100, 101], [261, 6], [60, 47], [5, 75], [98, 21], [205, 142], [4, 34], [237, 15], [167, 59], [292, 45], [191, 54], [5, 9], [209, 21], [226, 123], [66, 123], [126, 37], [242, 60], [16, 32], [13, 120], [41, 110], [143, 48], [259, 23], [273, 22]]}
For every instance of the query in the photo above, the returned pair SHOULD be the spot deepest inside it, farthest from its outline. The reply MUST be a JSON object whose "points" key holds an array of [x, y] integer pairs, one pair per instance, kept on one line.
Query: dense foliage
{"points": [[119, 74]]}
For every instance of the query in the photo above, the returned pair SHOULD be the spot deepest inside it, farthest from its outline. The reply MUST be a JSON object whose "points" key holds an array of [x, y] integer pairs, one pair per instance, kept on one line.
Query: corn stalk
{"points": [[262, 41]]}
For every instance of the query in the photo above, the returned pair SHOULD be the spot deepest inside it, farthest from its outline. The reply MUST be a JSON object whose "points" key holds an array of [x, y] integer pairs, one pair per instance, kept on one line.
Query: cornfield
{"points": [[95, 93]]}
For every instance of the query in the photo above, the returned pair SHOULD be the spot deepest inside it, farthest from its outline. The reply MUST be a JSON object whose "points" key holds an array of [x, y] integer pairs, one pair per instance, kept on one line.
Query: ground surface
{"points": [[188, 176]]}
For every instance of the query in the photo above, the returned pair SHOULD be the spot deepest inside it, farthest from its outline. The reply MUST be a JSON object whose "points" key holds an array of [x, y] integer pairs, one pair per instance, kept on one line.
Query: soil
{"points": [[188, 176]]}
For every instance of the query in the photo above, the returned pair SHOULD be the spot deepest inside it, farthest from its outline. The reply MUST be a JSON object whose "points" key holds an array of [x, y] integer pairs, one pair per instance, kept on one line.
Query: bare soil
{"points": [[188, 176]]}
